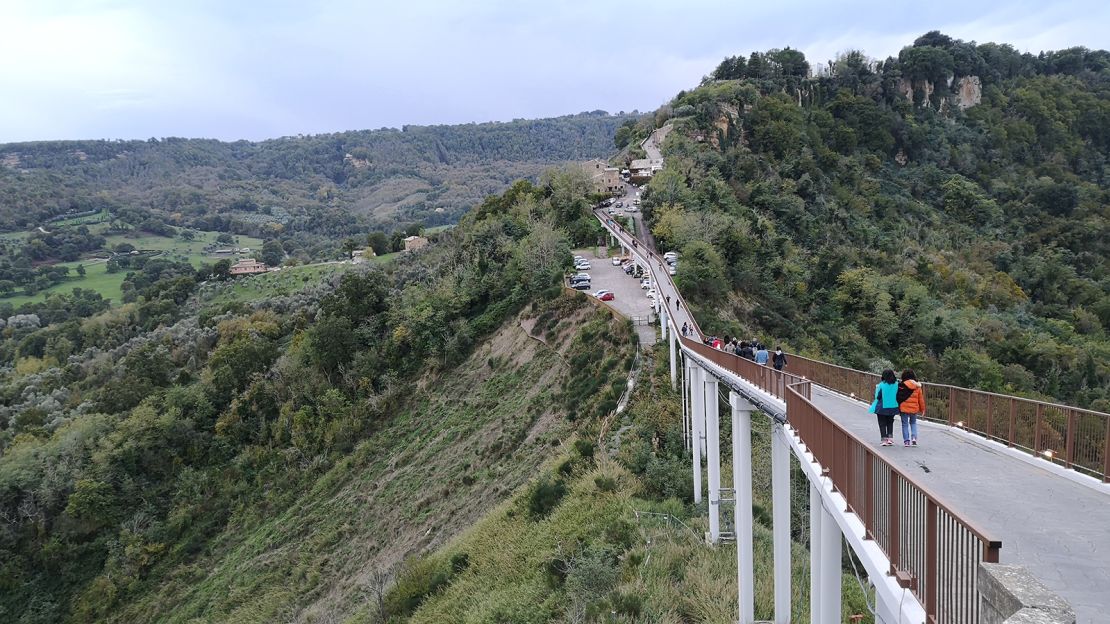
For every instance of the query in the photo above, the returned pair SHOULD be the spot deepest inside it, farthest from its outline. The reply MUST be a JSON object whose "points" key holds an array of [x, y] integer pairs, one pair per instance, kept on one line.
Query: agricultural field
{"points": [[107, 284], [273, 284]]}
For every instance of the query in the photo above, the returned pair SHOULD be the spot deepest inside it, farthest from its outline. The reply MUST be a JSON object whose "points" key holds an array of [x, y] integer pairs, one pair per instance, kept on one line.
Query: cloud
{"points": [[252, 69]]}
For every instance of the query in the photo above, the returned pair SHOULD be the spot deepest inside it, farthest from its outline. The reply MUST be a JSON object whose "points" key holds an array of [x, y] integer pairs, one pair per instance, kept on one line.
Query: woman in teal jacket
{"points": [[885, 406]]}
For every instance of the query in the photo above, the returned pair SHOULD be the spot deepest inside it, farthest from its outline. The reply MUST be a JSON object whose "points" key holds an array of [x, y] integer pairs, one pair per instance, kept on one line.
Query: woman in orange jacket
{"points": [[912, 407]]}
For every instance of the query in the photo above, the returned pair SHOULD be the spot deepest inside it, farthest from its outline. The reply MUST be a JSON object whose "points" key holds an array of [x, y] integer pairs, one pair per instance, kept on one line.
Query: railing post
{"points": [[1037, 430], [931, 562], [1106, 455], [869, 493], [895, 532], [951, 406], [1069, 443], [990, 417], [1013, 421]]}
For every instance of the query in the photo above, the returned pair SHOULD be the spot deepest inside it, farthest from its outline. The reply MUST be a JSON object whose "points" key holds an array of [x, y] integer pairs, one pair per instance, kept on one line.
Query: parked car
{"points": [[585, 285], [604, 295], [672, 270], [629, 268], [582, 266], [617, 261], [651, 293], [581, 276], [645, 283], [670, 255], [620, 204]]}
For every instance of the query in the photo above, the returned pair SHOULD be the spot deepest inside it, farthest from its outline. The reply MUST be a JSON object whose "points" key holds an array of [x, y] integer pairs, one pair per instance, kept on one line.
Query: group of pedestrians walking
{"points": [[905, 399]]}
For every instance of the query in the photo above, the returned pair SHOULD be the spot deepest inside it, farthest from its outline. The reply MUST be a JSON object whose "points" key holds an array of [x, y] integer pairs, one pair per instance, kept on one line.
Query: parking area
{"points": [[628, 298]]}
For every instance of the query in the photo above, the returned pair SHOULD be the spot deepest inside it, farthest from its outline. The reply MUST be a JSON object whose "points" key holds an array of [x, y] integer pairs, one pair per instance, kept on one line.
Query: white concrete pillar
{"points": [[697, 420], [663, 324], [685, 404], [672, 342], [829, 578], [713, 456], [742, 485], [780, 501], [815, 516]]}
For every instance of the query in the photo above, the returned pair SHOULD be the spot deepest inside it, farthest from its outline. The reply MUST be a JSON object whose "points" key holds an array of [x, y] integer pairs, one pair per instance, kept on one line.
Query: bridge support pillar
{"points": [[742, 508], [671, 343], [697, 426], [830, 568], [713, 455], [815, 516], [824, 562], [780, 503], [663, 324]]}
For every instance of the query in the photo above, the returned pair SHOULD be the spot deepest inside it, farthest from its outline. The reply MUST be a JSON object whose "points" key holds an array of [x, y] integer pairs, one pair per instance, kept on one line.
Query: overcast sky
{"points": [[254, 69]]}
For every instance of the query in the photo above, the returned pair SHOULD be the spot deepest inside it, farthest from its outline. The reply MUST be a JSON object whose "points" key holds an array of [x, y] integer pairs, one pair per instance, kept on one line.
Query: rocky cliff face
{"points": [[968, 92]]}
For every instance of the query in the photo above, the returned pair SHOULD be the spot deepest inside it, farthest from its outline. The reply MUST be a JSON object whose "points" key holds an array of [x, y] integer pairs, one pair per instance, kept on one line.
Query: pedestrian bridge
{"points": [[992, 470]]}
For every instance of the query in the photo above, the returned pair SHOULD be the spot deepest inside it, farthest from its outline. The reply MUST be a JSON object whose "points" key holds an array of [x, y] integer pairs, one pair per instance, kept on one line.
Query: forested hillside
{"points": [[327, 184], [946, 210], [241, 454]]}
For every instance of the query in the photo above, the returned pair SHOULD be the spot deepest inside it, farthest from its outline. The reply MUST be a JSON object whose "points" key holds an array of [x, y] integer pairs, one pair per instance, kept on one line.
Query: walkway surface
{"points": [[1058, 529]]}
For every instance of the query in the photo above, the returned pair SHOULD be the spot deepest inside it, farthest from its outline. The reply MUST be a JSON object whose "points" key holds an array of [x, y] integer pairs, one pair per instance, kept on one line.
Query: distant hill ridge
{"points": [[448, 168]]}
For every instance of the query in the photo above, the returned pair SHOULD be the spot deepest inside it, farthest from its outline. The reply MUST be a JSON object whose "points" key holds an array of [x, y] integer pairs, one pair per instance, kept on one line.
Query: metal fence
{"points": [[933, 551], [1070, 436]]}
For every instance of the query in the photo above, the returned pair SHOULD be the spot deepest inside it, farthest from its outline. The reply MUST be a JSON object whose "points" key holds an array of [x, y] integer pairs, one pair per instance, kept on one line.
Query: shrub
{"points": [[544, 496]]}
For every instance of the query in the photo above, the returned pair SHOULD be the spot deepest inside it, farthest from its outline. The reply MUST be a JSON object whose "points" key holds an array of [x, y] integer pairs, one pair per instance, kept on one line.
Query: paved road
{"points": [[654, 143], [1058, 529]]}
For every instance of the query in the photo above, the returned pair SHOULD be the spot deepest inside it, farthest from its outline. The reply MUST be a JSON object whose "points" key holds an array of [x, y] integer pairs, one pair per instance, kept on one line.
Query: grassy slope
{"points": [[653, 570], [466, 441]]}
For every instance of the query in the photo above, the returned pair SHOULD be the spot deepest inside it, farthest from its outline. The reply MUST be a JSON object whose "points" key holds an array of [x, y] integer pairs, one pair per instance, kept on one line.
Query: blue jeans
{"points": [[909, 427]]}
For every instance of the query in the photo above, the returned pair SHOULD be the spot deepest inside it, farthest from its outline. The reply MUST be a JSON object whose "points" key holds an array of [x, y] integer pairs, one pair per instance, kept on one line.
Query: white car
{"points": [[672, 271], [617, 261], [583, 266], [651, 294], [670, 255], [645, 283]]}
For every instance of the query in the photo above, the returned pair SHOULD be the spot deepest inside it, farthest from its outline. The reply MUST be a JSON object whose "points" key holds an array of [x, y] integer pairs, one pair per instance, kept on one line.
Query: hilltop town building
{"points": [[605, 179]]}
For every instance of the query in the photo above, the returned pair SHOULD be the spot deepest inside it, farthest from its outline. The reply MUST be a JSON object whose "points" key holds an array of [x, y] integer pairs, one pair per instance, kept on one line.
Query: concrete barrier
{"points": [[1011, 595]]}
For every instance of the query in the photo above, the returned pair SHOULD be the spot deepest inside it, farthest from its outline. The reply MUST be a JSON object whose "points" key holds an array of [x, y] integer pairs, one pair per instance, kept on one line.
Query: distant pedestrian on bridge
{"points": [[779, 359], [685, 329], [761, 356], [885, 406], [911, 406]]}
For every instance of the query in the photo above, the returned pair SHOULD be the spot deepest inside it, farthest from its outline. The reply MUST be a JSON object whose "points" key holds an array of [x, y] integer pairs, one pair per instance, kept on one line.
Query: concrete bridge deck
{"points": [[1056, 528]]}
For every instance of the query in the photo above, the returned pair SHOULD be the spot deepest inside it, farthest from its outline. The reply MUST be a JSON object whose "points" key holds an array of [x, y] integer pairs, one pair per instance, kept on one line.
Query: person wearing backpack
{"points": [[778, 360], [911, 406], [885, 406]]}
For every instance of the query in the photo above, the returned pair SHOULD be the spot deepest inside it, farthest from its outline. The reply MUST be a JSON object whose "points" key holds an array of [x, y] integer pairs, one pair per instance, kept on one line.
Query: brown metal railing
{"points": [[932, 550], [1073, 437], [765, 378]]}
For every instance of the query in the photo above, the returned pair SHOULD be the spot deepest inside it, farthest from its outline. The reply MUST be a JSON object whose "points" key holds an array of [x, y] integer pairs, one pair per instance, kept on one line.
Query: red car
{"points": [[604, 295]]}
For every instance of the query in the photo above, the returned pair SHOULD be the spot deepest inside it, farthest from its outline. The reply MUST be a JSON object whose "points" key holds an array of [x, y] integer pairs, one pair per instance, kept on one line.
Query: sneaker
{"points": [[913, 442], [907, 444]]}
